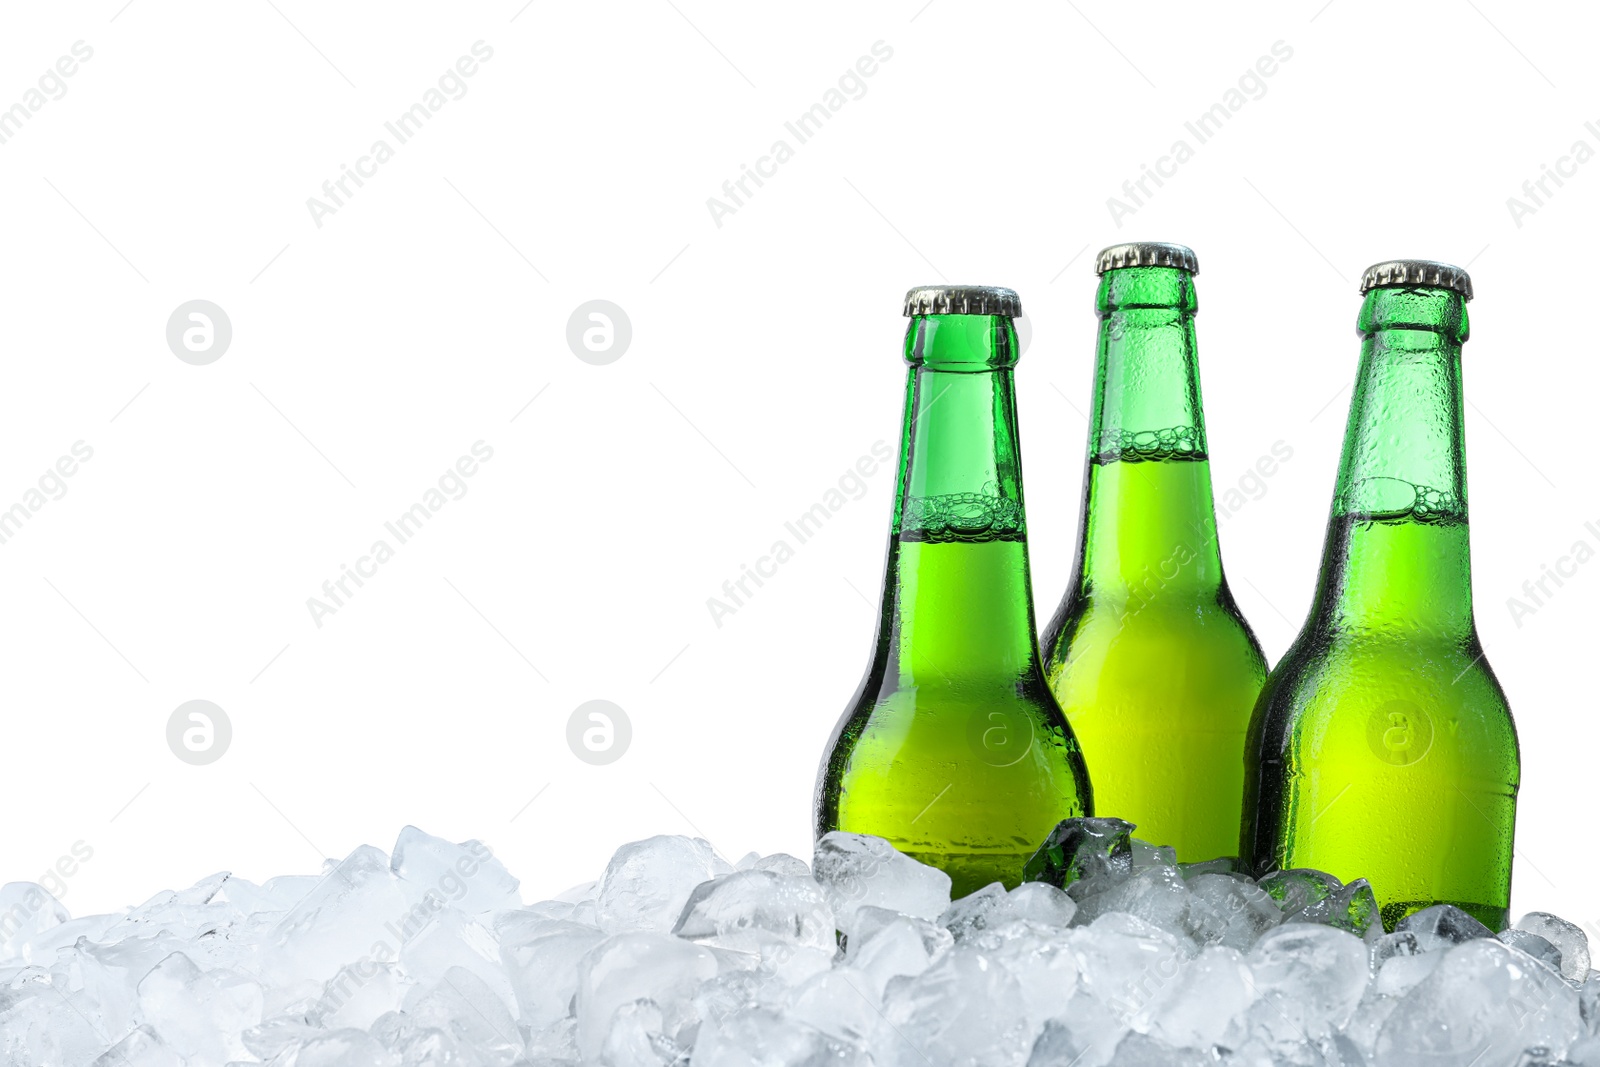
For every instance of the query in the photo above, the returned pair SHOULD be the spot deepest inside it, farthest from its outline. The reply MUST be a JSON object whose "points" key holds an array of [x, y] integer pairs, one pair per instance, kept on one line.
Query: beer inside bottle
{"points": [[1385, 748], [953, 748], [1149, 657]]}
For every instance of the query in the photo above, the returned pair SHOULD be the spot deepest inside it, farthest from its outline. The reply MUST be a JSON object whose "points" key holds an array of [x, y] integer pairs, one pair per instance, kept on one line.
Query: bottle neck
{"points": [[1397, 556], [956, 598], [1150, 527]]}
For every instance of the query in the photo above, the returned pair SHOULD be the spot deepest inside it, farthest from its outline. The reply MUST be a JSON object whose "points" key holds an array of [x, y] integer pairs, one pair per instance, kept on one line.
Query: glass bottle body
{"points": [[953, 748], [1385, 748], [1148, 655]]}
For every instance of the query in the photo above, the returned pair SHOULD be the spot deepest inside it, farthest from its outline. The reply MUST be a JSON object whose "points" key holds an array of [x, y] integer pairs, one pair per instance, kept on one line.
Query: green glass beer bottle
{"points": [[1382, 744], [953, 748], [1149, 657]]}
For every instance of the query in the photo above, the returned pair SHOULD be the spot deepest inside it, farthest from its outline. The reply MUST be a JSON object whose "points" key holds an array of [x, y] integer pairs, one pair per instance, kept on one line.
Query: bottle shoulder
{"points": [[951, 725], [1183, 633], [1326, 686], [895, 698]]}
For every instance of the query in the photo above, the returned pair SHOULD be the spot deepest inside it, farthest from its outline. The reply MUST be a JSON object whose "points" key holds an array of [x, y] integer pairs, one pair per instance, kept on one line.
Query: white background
{"points": [[424, 315]]}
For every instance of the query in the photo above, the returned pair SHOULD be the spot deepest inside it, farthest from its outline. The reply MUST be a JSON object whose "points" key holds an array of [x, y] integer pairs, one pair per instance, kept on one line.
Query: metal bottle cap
{"points": [[1409, 273], [1146, 254], [963, 300]]}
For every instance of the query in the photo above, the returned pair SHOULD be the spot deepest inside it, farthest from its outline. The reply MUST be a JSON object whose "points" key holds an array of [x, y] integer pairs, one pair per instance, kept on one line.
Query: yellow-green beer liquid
{"points": [[965, 763], [1393, 757], [1153, 666]]}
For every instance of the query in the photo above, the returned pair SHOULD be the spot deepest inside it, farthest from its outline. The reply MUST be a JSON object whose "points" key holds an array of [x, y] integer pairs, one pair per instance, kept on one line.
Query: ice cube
{"points": [[1589, 1003], [1040, 958], [1368, 1019], [1585, 1050], [277, 1038], [1399, 963], [557, 1041], [636, 966], [992, 906], [1143, 854], [357, 907], [451, 939], [109, 973], [1301, 892], [1227, 910], [1056, 1047], [647, 883], [965, 1010], [974, 911], [541, 960], [888, 945], [1085, 1035], [1220, 865], [464, 1007], [1399, 943], [357, 994], [467, 875], [1569, 940], [1141, 1050], [842, 1002], [1400, 972], [856, 871], [47, 945], [748, 909], [784, 864], [1081, 848], [274, 895], [730, 992], [1155, 894], [1309, 979], [1533, 945], [1125, 962], [1539, 1056], [1442, 926], [760, 1036], [199, 1012], [345, 1048], [28, 910], [182, 912], [1205, 1003], [141, 1048], [1483, 1004], [1354, 908], [636, 1038], [870, 920], [419, 1045], [41, 1024], [1040, 902]]}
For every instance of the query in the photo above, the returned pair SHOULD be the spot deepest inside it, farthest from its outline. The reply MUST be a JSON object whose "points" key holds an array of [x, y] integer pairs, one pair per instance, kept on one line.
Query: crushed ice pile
{"points": [[675, 957]]}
